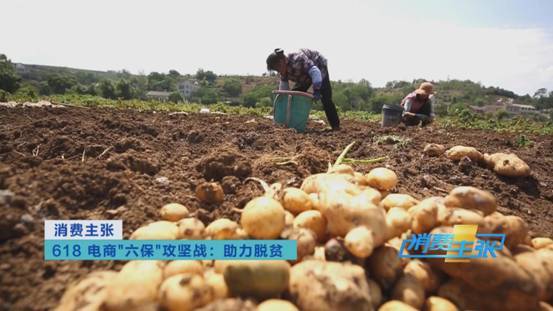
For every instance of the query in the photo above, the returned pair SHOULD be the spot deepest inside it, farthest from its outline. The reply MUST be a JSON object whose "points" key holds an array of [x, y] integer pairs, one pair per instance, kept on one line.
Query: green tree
{"points": [[175, 97], [123, 89], [232, 87], [106, 89], [58, 84], [208, 76], [9, 81]]}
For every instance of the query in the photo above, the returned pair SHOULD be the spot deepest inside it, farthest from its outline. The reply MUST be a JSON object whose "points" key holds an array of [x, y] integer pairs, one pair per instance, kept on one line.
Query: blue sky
{"points": [[498, 43]]}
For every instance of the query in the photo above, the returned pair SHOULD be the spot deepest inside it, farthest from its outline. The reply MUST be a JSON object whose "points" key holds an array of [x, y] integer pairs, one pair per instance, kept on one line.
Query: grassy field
{"points": [[464, 119]]}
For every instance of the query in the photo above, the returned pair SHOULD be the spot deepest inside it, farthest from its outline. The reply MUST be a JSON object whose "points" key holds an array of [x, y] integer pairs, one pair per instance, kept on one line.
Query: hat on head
{"points": [[426, 88]]}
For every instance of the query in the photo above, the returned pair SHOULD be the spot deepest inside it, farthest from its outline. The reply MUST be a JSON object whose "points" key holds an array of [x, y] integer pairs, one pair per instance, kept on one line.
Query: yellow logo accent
{"points": [[462, 233]]}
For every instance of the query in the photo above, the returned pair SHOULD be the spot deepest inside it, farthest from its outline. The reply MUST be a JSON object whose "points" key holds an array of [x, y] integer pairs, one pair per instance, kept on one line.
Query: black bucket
{"points": [[391, 115]]}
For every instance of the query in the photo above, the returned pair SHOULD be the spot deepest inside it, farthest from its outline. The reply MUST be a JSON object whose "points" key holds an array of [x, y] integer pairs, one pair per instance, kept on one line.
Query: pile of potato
{"points": [[349, 228], [504, 164]]}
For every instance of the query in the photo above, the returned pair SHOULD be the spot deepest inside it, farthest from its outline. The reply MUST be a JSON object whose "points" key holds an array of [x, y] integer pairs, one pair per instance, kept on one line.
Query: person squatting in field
{"points": [[305, 68], [417, 105]]}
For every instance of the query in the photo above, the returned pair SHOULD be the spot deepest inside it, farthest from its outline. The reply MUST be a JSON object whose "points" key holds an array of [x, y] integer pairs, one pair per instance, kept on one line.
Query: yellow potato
{"points": [[314, 221], [409, 290], [385, 266], [223, 229], [541, 242], [296, 201], [173, 212], [276, 305], [398, 220], [190, 229], [434, 150], [396, 305], [422, 271], [507, 164], [398, 200], [159, 230], [217, 284], [471, 198], [88, 294], [359, 241], [382, 178], [184, 292], [342, 169], [458, 152], [182, 266], [135, 286], [425, 214], [263, 218], [375, 292], [436, 303]]}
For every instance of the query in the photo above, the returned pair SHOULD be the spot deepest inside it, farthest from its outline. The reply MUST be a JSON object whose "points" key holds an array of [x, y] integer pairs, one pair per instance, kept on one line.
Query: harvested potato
{"points": [[263, 218], [471, 198], [434, 150], [306, 241], [422, 271], [183, 292], [314, 197], [436, 303], [173, 212], [514, 228], [335, 250], [359, 241], [329, 286], [288, 220], [375, 292], [385, 266], [257, 278], [217, 284], [210, 192], [544, 306], [382, 178], [492, 274], [348, 212], [398, 220], [314, 221], [541, 242], [360, 179], [458, 152], [135, 286], [223, 229], [330, 183], [409, 290], [276, 305], [507, 164], [425, 215], [342, 169], [461, 216], [88, 294], [182, 266], [296, 200], [396, 305], [398, 200], [190, 229], [229, 304], [503, 298], [159, 230], [539, 264]]}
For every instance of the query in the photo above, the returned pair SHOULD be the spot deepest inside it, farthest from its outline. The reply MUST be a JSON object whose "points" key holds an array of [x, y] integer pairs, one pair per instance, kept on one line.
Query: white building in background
{"points": [[520, 109], [187, 87]]}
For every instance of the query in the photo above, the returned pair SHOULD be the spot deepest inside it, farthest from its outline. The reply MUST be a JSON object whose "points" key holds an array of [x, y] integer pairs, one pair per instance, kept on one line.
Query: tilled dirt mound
{"points": [[78, 163]]}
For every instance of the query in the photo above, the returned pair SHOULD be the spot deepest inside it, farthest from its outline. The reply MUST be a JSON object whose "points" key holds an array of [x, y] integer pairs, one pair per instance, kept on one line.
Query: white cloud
{"points": [[361, 40]]}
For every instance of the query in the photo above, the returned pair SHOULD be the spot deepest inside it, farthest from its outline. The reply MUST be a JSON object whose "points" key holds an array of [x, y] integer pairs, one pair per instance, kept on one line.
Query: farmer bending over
{"points": [[306, 68], [417, 106]]}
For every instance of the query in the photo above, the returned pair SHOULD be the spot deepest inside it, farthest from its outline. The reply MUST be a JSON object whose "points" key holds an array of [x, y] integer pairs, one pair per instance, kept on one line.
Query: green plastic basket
{"points": [[291, 108]]}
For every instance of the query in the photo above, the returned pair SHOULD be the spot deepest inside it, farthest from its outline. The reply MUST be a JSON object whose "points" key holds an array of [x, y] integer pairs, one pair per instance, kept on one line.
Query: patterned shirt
{"points": [[299, 64]]}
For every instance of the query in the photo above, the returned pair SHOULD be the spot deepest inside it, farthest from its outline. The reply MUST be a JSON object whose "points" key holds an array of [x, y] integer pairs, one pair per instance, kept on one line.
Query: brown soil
{"points": [[44, 174]]}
